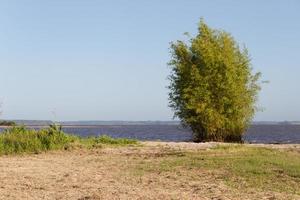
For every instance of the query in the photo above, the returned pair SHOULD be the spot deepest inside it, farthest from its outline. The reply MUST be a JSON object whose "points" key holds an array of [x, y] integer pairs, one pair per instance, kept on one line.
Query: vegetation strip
{"points": [[19, 139]]}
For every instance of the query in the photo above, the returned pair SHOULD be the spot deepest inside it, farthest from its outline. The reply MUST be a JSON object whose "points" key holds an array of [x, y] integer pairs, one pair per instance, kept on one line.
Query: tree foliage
{"points": [[212, 87]]}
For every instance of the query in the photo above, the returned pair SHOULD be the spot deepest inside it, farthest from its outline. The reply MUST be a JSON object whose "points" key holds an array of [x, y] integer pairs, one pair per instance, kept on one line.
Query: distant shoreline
{"points": [[257, 133], [90, 126], [43, 123], [129, 124]]}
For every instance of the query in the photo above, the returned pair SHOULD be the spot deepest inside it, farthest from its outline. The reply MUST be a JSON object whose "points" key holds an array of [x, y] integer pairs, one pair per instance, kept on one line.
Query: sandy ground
{"points": [[105, 174], [207, 145]]}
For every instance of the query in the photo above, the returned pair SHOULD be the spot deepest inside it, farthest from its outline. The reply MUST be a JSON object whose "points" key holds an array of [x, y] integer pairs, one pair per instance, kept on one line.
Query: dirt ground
{"points": [[106, 173]]}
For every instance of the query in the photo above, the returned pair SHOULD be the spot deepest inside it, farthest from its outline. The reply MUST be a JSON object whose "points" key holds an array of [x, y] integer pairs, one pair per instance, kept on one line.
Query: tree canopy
{"points": [[212, 88]]}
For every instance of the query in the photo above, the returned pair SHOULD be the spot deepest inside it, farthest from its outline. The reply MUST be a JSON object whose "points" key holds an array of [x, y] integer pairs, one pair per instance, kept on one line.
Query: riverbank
{"points": [[155, 170], [257, 133]]}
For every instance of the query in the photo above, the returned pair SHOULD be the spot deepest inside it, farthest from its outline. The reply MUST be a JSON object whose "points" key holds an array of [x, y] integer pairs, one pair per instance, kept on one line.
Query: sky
{"points": [[107, 60]]}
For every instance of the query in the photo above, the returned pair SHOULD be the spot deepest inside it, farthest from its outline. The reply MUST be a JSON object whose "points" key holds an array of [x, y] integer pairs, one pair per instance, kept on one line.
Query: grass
{"points": [[238, 166], [22, 140]]}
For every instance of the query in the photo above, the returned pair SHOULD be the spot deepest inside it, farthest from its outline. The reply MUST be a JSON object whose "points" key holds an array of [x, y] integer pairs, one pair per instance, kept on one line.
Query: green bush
{"points": [[20, 139], [212, 87], [23, 140]]}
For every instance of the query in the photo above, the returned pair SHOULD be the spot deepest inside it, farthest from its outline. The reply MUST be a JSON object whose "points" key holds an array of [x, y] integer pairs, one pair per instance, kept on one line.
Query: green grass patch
{"points": [[105, 140], [238, 165], [22, 140]]}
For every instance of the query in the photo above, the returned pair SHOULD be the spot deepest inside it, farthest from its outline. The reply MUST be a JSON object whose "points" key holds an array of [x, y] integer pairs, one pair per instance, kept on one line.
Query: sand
{"points": [[105, 174]]}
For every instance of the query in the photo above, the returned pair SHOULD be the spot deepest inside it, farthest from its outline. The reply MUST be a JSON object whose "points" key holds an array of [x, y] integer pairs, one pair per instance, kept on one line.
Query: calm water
{"points": [[256, 133]]}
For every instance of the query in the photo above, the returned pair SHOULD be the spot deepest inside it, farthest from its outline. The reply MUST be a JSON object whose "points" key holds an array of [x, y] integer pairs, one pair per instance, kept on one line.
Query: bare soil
{"points": [[107, 173]]}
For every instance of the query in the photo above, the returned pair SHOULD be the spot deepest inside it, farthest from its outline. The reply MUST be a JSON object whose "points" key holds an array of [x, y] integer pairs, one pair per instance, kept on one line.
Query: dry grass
{"points": [[153, 172]]}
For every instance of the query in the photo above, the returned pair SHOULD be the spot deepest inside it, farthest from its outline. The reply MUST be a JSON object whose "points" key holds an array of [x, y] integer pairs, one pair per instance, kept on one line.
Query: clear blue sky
{"points": [[106, 60]]}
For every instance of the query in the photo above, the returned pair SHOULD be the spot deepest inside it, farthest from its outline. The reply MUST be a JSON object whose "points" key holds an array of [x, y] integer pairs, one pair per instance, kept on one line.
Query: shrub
{"points": [[7, 123], [212, 88], [22, 140]]}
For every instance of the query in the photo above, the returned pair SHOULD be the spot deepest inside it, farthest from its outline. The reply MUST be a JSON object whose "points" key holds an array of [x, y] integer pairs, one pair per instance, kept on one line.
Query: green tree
{"points": [[212, 88]]}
